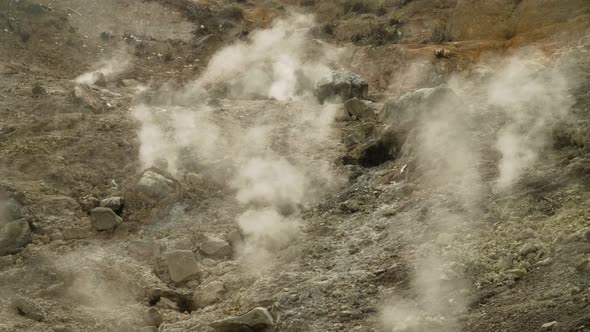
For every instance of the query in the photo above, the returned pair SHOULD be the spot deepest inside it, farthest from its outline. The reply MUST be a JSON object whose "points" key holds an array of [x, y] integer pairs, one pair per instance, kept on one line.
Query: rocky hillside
{"points": [[294, 165]]}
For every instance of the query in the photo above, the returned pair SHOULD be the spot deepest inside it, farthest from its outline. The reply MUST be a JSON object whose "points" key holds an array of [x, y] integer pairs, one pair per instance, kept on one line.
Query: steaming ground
{"points": [[479, 222]]}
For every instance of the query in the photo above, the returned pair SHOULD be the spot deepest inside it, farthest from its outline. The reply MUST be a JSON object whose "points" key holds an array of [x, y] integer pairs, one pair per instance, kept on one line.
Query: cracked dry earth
{"points": [[154, 198]]}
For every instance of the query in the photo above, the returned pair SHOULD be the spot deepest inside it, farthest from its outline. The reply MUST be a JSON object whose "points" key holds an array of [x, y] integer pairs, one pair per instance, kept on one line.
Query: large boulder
{"points": [[182, 265], [403, 112], [341, 86], [155, 185], [14, 236], [103, 219], [258, 319]]}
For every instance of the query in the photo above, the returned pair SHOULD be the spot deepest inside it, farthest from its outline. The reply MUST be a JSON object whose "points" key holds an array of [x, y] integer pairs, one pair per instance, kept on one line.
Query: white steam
{"points": [[533, 98], [269, 152], [110, 68], [521, 98], [274, 63]]}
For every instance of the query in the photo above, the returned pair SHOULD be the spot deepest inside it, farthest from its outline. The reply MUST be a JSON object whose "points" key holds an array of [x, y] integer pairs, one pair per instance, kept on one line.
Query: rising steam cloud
{"points": [[110, 68], [525, 96], [533, 98], [273, 160]]}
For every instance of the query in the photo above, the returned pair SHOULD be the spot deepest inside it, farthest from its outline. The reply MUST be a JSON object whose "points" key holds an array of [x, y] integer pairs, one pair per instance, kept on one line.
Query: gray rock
{"points": [[341, 86], [14, 236], [10, 210], [235, 238], [114, 203], [341, 115], [362, 109], [404, 111], [88, 203], [167, 304], [549, 326], [208, 294], [208, 262], [153, 317], [257, 319], [155, 185], [99, 79], [103, 219], [215, 247], [87, 97], [528, 248], [194, 180], [28, 308], [38, 91], [182, 265]]}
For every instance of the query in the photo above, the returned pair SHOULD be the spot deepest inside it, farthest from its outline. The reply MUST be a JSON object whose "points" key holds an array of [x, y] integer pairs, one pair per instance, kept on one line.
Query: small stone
{"points": [[362, 109], [14, 236], [258, 318], [529, 248], [6, 131], [182, 265], [26, 307], [99, 79], [10, 210], [549, 326], [194, 180], [88, 203], [38, 91], [153, 317], [215, 247], [209, 294], [87, 97], [114, 203], [583, 265], [104, 219], [209, 262], [167, 304], [235, 238]]}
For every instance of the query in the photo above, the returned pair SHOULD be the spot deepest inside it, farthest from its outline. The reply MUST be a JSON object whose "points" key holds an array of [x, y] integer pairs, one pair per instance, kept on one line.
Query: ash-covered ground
{"points": [[294, 166]]}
